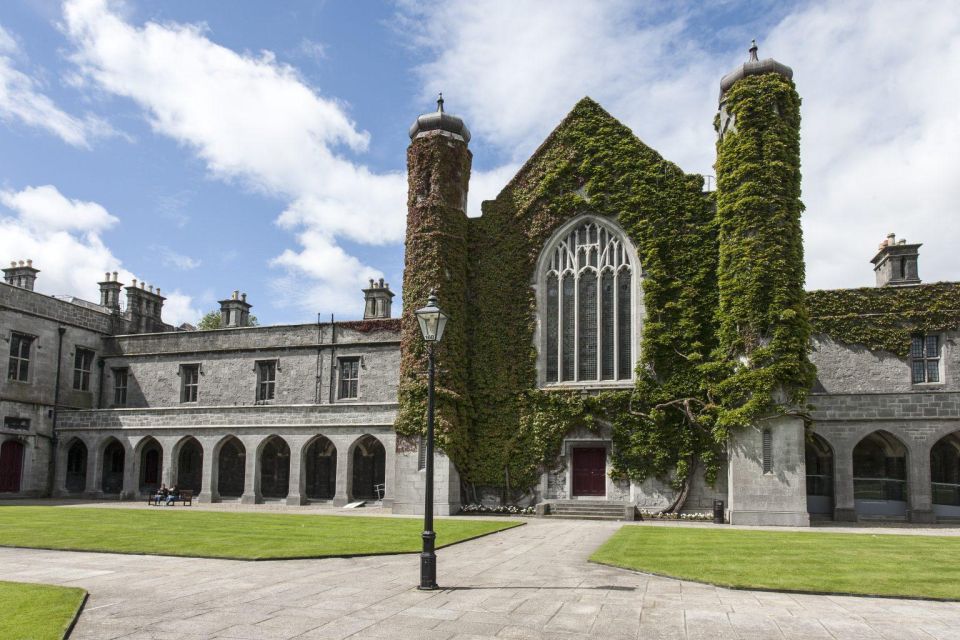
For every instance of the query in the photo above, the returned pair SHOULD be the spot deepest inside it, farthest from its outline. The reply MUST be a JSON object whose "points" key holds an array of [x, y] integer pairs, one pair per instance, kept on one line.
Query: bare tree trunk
{"points": [[681, 497]]}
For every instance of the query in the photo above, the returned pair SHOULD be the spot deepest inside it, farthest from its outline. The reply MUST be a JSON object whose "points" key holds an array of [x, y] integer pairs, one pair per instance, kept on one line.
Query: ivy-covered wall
{"points": [[885, 318], [497, 427]]}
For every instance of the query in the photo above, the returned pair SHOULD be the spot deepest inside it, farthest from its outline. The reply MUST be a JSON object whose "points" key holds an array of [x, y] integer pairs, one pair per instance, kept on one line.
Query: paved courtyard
{"points": [[530, 582]]}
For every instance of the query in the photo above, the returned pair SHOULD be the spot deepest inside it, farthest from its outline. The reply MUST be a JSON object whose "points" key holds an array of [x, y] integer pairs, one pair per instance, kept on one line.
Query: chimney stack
{"points": [[895, 264], [22, 275], [235, 311], [377, 300], [110, 292], [144, 308]]}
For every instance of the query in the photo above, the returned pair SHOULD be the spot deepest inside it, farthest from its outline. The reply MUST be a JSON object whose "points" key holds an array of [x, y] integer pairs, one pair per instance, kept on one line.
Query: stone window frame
{"points": [[922, 358], [352, 360], [120, 391], [262, 384], [19, 362], [23, 424], [83, 358], [186, 387], [540, 282]]}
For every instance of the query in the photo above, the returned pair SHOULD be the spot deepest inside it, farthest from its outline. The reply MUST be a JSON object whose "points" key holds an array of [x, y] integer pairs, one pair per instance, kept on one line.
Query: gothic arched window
{"points": [[587, 276]]}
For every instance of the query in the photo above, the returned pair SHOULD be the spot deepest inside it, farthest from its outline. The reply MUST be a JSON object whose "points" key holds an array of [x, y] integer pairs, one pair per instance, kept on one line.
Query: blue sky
{"points": [[206, 147]]}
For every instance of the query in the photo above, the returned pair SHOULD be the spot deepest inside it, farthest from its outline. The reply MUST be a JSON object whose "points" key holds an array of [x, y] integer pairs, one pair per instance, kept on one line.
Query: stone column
{"points": [[168, 468], [344, 472], [296, 490], [60, 478], [919, 490], [844, 506], [94, 469], [251, 473], [208, 490], [131, 472], [390, 445]]}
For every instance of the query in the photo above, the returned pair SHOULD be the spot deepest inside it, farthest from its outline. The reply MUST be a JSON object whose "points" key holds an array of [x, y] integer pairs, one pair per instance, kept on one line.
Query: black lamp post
{"points": [[432, 321]]}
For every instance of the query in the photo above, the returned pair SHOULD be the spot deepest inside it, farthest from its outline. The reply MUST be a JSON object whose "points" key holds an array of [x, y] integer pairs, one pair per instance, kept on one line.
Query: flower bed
{"points": [[689, 517], [499, 510]]}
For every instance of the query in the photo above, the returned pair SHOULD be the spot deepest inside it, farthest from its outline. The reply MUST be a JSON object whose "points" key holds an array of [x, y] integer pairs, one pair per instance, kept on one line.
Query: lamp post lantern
{"points": [[432, 322]]}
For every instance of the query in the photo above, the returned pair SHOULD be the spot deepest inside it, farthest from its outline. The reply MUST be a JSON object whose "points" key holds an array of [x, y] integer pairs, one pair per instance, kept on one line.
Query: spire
{"points": [[440, 103], [754, 67], [753, 51]]}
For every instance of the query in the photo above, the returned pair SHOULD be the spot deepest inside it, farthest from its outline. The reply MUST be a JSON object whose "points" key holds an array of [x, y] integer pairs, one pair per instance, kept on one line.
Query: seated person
{"points": [[173, 494], [161, 494]]}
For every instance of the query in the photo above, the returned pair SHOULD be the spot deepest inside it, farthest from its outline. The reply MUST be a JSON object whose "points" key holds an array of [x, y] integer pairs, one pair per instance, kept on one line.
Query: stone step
{"points": [[595, 512], [580, 516]]}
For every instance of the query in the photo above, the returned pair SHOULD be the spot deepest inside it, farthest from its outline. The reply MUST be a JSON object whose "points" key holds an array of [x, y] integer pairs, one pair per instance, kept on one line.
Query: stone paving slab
{"points": [[528, 583]]}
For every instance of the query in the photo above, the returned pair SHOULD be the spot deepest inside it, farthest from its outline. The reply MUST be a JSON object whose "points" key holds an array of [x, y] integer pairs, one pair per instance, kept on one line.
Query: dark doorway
{"points": [[111, 481], [880, 475], [321, 469], [11, 466], [151, 464], [819, 459], [275, 469], [231, 472], [190, 466], [590, 471], [369, 466], [76, 480]]}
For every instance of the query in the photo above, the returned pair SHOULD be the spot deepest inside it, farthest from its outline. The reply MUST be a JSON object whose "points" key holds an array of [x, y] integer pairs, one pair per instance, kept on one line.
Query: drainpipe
{"points": [[51, 482], [333, 359], [317, 381]]}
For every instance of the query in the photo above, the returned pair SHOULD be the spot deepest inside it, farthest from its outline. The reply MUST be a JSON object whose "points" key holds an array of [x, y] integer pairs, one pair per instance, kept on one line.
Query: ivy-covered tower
{"points": [[762, 322], [438, 174]]}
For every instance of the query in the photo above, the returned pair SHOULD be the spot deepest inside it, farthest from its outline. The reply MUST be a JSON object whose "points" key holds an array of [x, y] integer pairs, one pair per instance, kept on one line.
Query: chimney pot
{"points": [[243, 297], [21, 263], [13, 263], [134, 282], [115, 274], [158, 290], [236, 294], [106, 276], [29, 262], [143, 285]]}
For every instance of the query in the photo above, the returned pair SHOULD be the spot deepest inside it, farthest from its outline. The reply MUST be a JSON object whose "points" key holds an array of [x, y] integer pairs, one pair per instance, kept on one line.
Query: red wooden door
{"points": [[590, 472], [11, 466]]}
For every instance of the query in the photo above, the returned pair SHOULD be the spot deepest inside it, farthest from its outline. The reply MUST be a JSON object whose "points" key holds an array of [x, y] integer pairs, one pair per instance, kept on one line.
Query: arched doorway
{"points": [[275, 468], [231, 463], [945, 476], [819, 458], [369, 466], [111, 479], [880, 476], [76, 480], [151, 465], [190, 466], [320, 461], [11, 466]]}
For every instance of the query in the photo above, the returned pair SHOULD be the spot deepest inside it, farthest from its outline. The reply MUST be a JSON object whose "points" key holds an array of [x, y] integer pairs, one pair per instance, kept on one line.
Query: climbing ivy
{"points": [[885, 318], [501, 430], [760, 366]]}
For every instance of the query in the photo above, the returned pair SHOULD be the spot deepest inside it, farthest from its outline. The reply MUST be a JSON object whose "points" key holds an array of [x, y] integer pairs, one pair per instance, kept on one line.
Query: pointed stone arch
{"points": [[820, 474], [945, 475], [149, 456], [230, 455], [320, 468], [368, 468], [880, 462], [75, 480], [114, 462], [188, 455], [274, 467]]}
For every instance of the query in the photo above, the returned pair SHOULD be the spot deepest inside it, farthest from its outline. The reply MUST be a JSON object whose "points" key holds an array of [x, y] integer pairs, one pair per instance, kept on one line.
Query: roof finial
{"points": [[440, 102], [753, 51]]}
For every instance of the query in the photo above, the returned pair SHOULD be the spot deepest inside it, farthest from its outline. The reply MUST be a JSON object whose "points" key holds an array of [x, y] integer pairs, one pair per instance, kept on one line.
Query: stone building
{"points": [[106, 400]]}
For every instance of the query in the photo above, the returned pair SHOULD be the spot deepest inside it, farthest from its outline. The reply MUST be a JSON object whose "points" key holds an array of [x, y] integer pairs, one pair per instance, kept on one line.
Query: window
{"points": [[189, 381], [588, 323], [349, 377], [82, 363], [120, 387], [266, 380], [925, 359], [19, 424], [19, 367], [767, 451]]}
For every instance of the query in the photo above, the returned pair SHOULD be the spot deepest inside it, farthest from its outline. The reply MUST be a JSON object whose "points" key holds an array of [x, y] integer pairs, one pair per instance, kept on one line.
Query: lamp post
{"points": [[432, 321]]}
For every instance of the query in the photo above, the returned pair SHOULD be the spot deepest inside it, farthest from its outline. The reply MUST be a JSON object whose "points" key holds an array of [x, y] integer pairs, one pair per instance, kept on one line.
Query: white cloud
{"points": [[171, 258], [22, 99], [254, 120], [179, 308], [63, 236], [880, 83]]}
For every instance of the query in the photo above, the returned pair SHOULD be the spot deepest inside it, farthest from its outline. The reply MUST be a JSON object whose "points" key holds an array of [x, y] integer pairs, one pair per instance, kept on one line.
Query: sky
{"points": [[207, 147]]}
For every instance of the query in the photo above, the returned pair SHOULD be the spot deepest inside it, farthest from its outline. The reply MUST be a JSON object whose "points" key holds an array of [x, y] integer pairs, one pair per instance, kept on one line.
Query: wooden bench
{"points": [[184, 496]]}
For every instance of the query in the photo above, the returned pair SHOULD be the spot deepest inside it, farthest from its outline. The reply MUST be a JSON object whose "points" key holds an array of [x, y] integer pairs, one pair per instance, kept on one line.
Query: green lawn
{"points": [[36, 611], [179, 531], [891, 565]]}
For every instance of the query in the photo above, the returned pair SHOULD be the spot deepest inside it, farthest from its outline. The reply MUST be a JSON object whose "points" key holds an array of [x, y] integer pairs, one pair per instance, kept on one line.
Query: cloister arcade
{"points": [[297, 469], [891, 473]]}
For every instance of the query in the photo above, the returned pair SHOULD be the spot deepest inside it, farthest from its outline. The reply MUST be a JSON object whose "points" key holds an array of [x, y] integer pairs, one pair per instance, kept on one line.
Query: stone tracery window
{"points": [[587, 315]]}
